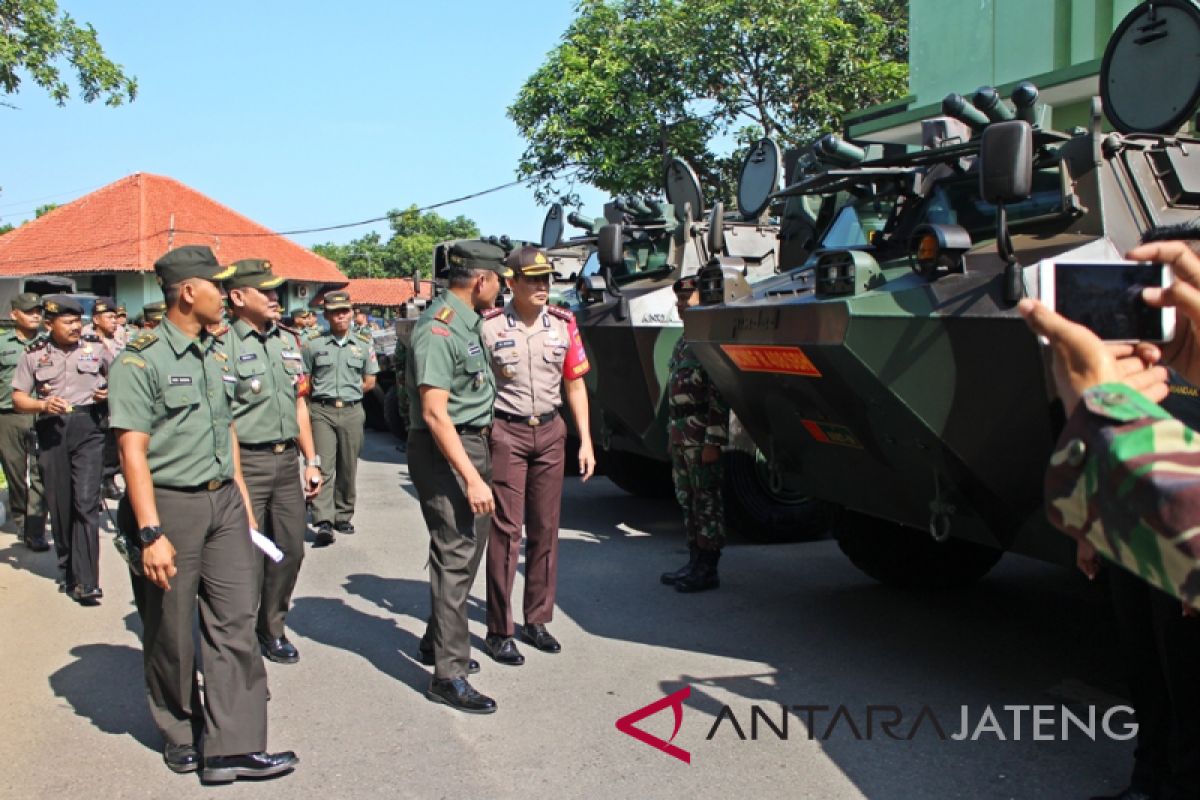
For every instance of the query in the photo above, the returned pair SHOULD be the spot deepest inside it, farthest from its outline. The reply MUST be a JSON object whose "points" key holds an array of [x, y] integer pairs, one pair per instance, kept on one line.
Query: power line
{"points": [[44, 197]]}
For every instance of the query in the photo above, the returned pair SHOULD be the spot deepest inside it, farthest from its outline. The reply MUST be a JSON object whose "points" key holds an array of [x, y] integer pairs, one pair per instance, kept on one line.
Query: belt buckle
{"points": [[339, 403], [533, 421], [213, 485], [278, 447]]}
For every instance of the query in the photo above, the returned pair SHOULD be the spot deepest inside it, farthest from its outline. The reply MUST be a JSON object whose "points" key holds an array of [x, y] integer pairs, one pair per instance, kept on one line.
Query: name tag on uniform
{"points": [[473, 349], [226, 378], [181, 380], [503, 344], [247, 356], [292, 355]]}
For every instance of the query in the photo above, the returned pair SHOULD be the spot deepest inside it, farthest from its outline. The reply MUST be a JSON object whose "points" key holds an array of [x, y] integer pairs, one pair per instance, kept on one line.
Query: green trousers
{"points": [[18, 457], [338, 436]]}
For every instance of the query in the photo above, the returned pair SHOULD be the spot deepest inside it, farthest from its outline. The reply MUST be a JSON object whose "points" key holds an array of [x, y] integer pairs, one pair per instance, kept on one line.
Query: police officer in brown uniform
{"points": [[18, 446], [273, 427], [64, 380], [534, 349]]}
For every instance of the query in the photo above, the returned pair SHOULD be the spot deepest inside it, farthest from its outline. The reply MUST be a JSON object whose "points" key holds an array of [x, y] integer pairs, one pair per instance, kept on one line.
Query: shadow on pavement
{"points": [[18, 556], [410, 598], [104, 685]]}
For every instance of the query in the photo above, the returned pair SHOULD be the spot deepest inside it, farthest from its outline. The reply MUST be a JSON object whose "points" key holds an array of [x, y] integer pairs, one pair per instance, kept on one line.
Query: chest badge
{"points": [[508, 371], [255, 385]]}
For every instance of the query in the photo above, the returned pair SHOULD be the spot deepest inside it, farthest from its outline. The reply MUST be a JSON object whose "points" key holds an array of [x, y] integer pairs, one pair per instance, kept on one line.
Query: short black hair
{"points": [[460, 277]]}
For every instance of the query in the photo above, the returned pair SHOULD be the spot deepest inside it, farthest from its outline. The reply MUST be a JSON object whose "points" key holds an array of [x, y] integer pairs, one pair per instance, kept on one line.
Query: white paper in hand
{"points": [[266, 545]]}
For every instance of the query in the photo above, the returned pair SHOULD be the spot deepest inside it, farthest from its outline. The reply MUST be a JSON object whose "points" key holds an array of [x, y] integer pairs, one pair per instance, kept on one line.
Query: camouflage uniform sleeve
{"points": [[1125, 476], [716, 429]]}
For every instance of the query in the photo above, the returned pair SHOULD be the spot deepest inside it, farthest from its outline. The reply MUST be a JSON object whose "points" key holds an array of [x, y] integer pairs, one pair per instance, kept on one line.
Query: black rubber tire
{"points": [[373, 402], [756, 512], [638, 475], [908, 558]]}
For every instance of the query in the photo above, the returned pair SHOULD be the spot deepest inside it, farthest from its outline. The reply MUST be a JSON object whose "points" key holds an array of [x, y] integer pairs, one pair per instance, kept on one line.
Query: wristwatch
{"points": [[315, 461], [149, 535]]}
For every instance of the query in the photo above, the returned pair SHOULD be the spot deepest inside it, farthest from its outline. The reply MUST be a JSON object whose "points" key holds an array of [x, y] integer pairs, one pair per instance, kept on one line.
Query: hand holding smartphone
{"points": [[1106, 297]]}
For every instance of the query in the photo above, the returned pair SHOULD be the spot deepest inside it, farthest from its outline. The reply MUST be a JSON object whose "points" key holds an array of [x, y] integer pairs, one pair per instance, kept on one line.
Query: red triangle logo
{"points": [[675, 700]]}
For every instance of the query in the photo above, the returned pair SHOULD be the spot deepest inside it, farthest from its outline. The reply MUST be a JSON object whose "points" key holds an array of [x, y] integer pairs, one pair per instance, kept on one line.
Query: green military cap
{"points": [[254, 273], [154, 311], [103, 304], [479, 255], [56, 305], [302, 312], [337, 301], [26, 301], [190, 261], [529, 260]]}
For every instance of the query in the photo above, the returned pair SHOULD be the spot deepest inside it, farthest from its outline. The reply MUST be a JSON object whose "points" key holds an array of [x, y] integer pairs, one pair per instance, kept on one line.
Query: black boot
{"points": [[670, 578], [34, 534], [703, 576]]}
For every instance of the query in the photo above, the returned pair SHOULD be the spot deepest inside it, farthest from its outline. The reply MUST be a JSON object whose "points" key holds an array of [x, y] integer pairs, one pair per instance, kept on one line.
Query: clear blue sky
{"points": [[298, 114]]}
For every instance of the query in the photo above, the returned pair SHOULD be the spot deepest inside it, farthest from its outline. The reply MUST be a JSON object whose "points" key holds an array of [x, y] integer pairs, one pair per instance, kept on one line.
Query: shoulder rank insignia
{"points": [[35, 345], [366, 336], [90, 337], [444, 314], [133, 361], [560, 312], [143, 341], [492, 313]]}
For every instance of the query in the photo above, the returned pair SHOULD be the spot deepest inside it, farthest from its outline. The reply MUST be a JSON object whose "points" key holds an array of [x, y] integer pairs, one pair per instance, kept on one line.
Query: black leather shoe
{"points": [[37, 544], [537, 635], [225, 769], [428, 660], [324, 536], [669, 578], [459, 694], [280, 650], [87, 595], [181, 758], [703, 576], [343, 527], [503, 650]]}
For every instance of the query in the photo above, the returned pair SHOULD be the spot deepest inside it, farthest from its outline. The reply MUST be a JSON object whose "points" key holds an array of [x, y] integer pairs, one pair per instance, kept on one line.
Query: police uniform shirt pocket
{"points": [[89, 366], [554, 352], [48, 373]]}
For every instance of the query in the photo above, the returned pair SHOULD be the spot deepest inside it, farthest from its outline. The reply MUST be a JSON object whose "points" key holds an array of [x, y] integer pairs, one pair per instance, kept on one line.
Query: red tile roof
{"points": [[384, 292], [126, 225]]}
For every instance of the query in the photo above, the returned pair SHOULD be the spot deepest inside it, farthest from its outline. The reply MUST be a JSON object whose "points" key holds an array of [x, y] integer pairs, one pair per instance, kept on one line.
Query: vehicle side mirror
{"points": [[1006, 162], [610, 246], [716, 230]]}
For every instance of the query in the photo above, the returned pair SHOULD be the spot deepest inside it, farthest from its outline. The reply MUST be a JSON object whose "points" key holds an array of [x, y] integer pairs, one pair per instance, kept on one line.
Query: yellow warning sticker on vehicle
{"points": [[771, 358]]}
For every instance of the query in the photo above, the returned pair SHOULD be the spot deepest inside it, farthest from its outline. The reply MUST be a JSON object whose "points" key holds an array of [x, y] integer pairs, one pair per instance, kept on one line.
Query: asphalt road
{"points": [[792, 625]]}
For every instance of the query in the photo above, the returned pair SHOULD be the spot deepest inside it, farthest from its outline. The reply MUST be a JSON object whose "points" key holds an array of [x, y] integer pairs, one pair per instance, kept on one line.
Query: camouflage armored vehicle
{"points": [[890, 373], [626, 313]]}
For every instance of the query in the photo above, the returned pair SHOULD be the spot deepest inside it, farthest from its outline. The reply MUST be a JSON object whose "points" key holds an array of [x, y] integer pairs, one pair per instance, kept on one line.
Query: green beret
{"points": [[55, 305], [337, 301], [478, 255], [26, 301], [254, 273], [103, 304], [190, 261]]}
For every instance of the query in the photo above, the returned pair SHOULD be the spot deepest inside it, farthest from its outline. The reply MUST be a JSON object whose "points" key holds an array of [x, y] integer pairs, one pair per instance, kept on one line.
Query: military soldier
{"points": [[152, 315], [125, 330], [172, 407], [533, 348], [451, 391], [699, 426], [68, 374], [272, 422], [342, 366], [306, 323], [106, 327], [18, 450]]}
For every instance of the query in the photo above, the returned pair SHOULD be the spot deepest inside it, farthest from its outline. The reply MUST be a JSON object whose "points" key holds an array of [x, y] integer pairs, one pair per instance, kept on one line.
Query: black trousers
{"points": [[71, 455], [1160, 650]]}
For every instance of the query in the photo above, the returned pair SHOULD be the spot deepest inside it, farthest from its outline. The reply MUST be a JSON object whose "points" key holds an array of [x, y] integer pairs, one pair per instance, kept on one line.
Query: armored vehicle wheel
{"points": [[373, 404], [909, 558], [638, 475], [391, 414], [764, 509]]}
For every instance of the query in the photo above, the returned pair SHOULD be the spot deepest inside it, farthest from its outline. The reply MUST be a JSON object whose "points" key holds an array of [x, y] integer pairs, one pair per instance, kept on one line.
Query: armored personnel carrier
{"points": [[890, 373], [625, 309]]}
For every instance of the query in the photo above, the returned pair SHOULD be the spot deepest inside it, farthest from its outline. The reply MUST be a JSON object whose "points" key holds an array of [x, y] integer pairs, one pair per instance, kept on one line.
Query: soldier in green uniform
{"points": [[18, 450], [342, 367], [152, 315], [172, 405], [272, 422], [699, 427], [451, 391]]}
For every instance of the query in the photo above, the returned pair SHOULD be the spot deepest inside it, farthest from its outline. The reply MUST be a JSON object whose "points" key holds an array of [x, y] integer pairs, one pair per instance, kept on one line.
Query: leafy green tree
{"points": [[43, 210], [5, 228], [635, 81], [36, 37], [408, 251]]}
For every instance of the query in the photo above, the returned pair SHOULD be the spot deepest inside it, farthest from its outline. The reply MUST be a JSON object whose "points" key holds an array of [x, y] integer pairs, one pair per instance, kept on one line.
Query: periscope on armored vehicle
{"points": [[888, 372]]}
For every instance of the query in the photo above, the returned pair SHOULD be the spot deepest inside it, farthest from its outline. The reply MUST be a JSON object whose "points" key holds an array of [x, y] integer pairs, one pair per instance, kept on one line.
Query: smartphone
{"points": [[1106, 296]]}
